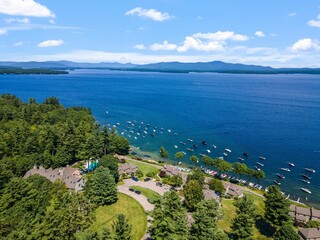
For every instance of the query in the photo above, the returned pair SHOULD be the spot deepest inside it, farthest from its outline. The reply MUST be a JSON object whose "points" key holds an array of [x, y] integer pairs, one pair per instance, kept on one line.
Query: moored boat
{"points": [[245, 154], [310, 170], [262, 158], [306, 176], [260, 164], [306, 190], [190, 140], [291, 164], [190, 149], [241, 159], [285, 169], [225, 154], [257, 168], [276, 182], [305, 181], [228, 150], [204, 142], [281, 176]]}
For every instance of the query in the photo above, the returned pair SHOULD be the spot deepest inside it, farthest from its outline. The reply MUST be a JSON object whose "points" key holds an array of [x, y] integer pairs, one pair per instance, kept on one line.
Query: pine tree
{"points": [[169, 218], [286, 232], [101, 188], [122, 228], [276, 208], [193, 194], [205, 226], [242, 224], [106, 234]]}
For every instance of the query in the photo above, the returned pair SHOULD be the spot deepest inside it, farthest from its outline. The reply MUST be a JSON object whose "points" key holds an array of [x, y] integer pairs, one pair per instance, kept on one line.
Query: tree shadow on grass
{"points": [[263, 227]]}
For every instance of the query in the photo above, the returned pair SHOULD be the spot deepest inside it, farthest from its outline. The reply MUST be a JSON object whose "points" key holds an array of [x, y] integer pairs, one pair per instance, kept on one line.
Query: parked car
{"points": [[147, 179], [131, 189], [137, 192], [135, 179], [159, 184]]}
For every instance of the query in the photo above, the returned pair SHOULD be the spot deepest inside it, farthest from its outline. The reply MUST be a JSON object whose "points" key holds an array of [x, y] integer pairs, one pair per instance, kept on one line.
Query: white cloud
{"points": [[259, 34], [51, 43], [315, 23], [18, 44], [192, 43], [149, 13], [24, 8], [52, 21], [17, 20], [306, 44], [292, 14], [221, 36], [139, 46], [163, 46], [3, 31]]}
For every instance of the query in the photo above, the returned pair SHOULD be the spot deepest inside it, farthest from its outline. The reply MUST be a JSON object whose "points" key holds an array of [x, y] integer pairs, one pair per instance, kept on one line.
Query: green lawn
{"points": [[105, 215], [144, 167], [148, 193], [229, 213]]}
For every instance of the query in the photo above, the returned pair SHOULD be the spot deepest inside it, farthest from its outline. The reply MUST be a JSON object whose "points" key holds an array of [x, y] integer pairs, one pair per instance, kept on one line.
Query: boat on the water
{"points": [[305, 181], [262, 158], [257, 168], [204, 142], [225, 154], [228, 150], [195, 146], [281, 176], [190, 140], [214, 146], [260, 164], [241, 159], [183, 143], [310, 170], [276, 182], [306, 176], [285, 169], [306, 190], [208, 151], [291, 164], [175, 146], [190, 149], [245, 154], [202, 155]]}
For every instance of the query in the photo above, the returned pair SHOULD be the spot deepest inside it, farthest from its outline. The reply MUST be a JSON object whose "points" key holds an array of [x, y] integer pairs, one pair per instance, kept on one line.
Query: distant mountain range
{"points": [[177, 67]]}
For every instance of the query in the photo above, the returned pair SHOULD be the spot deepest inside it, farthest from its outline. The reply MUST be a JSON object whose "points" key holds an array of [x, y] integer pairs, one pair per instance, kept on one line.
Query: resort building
{"points": [[127, 169], [210, 194], [309, 233], [232, 190], [303, 215], [70, 176]]}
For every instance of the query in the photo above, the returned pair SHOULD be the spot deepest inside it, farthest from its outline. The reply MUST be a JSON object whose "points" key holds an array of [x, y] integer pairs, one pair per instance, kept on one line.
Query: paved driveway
{"points": [[140, 198]]}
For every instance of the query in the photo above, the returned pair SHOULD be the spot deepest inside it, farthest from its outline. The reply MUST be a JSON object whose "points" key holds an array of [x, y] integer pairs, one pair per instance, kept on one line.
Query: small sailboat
{"points": [[276, 182], [305, 181], [281, 176], [306, 190], [310, 170], [285, 169]]}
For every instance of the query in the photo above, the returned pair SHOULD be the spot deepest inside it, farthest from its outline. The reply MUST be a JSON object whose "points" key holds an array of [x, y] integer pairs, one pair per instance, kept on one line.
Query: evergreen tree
{"points": [[286, 232], [106, 234], [259, 174], [179, 155], [198, 175], [240, 168], [193, 194], [216, 185], [101, 188], [242, 224], [110, 162], [122, 228], [276, 208], [194, 159], [163, 153], [169, 218], [205, 219]]}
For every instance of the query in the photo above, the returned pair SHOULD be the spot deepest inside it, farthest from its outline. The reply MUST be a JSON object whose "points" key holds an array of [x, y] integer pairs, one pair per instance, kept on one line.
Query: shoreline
{"points": [[152, 156]]}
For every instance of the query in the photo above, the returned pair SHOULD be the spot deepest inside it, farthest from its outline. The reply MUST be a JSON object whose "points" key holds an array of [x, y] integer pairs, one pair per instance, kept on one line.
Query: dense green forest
{"points": [[50, 135], [30, 71]]}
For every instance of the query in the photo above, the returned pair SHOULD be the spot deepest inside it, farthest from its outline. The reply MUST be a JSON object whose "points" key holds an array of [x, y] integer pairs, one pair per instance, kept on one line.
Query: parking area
{"points": [[140, 198]]}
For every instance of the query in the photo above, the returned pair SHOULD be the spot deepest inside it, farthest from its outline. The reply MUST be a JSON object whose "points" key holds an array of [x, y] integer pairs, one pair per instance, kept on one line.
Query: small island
{"points": [[31, 71]]}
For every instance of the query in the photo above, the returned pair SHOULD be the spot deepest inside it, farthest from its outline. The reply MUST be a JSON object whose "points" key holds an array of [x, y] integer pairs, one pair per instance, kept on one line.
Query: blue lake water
{"points": [[275, 116]]}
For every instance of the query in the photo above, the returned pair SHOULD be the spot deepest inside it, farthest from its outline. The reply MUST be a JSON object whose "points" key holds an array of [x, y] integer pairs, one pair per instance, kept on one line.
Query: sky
{"points": [[277, 33]]}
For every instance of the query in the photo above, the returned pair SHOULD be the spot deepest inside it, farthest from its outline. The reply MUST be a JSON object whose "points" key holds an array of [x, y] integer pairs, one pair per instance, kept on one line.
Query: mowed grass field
{"points": [[229, 211], [148, 193], [134, 212], [144, 167]]}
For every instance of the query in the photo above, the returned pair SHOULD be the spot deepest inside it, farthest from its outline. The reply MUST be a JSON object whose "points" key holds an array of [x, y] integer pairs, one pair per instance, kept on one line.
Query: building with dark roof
{"points": [[70, 176], [127, 169], [232, 190]]}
